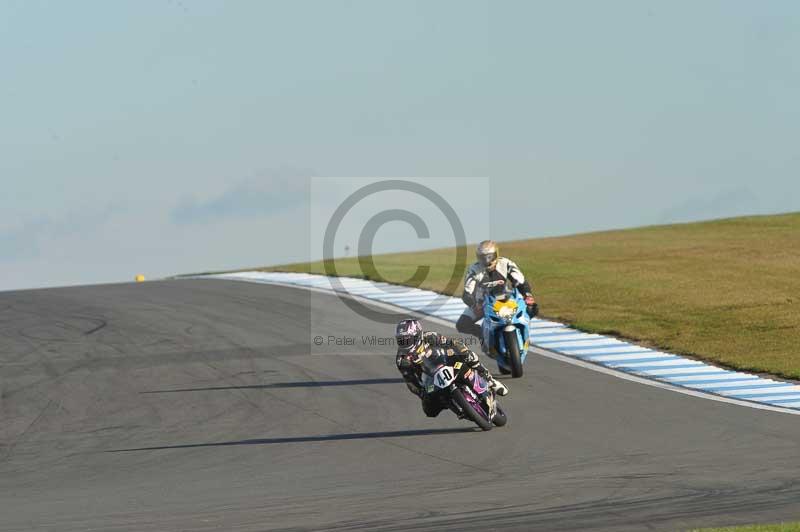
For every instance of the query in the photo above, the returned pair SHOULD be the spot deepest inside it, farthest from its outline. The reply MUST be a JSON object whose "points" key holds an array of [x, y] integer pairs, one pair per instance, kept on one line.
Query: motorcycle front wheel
{"points": [[470, 411], [514, 358]]}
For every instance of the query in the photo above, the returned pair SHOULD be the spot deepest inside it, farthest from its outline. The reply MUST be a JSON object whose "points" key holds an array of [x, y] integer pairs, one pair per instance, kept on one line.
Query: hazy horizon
{"points": [[169, 137]]}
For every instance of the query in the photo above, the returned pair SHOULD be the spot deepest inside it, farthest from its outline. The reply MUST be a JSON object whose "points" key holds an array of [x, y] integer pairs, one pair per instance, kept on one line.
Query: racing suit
{"points": [[410, 366], [505, 270]]}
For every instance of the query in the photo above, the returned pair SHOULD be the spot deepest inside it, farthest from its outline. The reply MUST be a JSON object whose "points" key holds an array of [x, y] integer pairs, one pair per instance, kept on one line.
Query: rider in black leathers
{"points": [[413, 345]]}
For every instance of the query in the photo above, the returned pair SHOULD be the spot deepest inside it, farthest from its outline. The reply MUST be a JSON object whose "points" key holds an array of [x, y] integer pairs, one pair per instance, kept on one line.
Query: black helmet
{"points": [[408, 335]]}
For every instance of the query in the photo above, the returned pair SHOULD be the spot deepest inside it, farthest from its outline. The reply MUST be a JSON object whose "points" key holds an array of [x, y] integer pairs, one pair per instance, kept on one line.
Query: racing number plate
{"points": [[444, 377]]}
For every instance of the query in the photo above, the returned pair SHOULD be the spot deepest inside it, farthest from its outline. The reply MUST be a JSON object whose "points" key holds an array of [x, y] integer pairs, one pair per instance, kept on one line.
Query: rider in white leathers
{"points": [[490, 267]]}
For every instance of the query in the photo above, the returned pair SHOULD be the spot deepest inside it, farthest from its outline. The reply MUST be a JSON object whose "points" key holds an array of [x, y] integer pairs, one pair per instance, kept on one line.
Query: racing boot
{"points": [[496, 386]]}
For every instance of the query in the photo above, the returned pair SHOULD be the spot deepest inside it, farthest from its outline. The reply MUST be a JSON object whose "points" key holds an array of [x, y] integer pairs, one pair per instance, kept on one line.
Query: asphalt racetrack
{"points": [[204, 405]]}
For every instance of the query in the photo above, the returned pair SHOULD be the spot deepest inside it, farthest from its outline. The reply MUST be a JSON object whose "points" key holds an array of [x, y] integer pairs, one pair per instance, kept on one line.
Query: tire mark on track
{"points": [[99, 327], [16, 440]]}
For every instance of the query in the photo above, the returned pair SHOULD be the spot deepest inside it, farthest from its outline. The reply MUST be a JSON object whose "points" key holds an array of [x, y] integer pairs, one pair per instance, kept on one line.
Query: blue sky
{"points": [[165, 137]]}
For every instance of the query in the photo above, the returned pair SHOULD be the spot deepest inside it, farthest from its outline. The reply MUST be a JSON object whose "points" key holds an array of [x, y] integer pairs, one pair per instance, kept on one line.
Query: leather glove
{"points": [[533, 306]]}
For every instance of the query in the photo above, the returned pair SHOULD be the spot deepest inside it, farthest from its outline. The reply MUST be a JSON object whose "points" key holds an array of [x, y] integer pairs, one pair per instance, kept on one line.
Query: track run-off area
{"points": [[204, 404]]}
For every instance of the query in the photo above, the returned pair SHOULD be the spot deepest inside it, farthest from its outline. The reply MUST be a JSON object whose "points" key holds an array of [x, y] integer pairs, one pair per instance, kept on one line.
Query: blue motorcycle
{"points": [[506, 327]]}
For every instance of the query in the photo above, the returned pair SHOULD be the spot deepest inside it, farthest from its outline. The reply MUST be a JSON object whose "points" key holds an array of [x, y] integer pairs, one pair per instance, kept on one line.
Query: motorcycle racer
{"points": [[413, 345], [490, 266]]}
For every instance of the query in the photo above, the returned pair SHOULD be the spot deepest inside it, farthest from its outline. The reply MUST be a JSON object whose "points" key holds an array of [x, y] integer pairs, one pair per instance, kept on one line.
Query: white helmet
{"points": [[487, 254]]}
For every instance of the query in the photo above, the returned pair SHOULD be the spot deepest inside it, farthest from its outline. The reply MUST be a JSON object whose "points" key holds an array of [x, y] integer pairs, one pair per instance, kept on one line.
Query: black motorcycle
{"points": [[461, 389]]}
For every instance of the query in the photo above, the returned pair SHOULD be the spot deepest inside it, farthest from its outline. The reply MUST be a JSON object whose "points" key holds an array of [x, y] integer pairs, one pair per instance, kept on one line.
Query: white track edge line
{"points": [[543, 352]]}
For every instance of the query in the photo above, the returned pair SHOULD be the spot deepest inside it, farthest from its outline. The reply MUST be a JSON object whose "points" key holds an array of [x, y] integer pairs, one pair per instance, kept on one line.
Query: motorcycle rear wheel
{"points": [[500, 418]]}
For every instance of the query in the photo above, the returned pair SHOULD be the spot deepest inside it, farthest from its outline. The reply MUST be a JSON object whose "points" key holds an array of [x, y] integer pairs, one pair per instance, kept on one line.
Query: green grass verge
{"points": [[781, 527], [727, 291]]}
